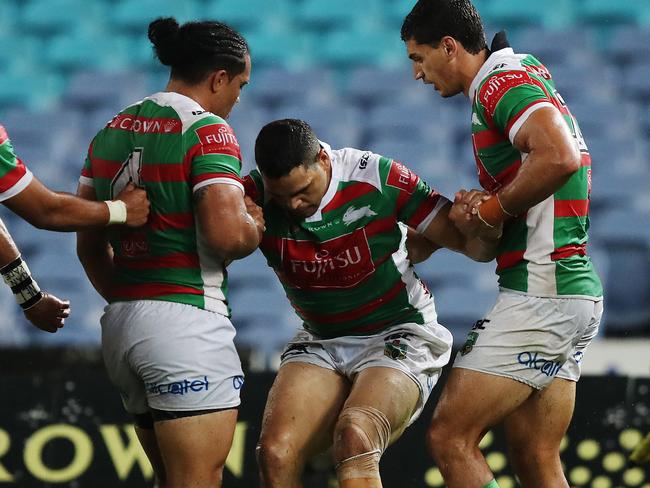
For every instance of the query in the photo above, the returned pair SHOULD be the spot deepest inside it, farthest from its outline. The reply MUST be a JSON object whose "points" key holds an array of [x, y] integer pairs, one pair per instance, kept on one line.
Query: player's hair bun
{"points": [[164, 34]]}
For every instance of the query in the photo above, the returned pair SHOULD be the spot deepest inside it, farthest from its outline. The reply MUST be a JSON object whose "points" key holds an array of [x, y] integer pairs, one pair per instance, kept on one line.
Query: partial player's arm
{"points": [[95, 252], [480, 243], [232, 226], [45, 311], [523, 112], [51, 210], [419, 248]]}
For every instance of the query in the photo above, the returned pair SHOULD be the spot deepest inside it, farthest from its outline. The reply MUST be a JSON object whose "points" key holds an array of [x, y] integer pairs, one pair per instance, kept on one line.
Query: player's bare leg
{"points": [[147, 438], [375, 414], [534, 432], [470, 404], [298, 422], [194, 449]]}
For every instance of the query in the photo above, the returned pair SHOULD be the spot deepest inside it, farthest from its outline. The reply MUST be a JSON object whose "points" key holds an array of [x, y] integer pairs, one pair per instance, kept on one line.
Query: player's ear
{"points": [[218, 80]]}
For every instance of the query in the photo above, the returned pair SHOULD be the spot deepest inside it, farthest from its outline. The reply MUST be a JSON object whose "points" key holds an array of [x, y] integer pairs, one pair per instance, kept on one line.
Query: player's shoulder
{"points": [[358, 165], [190, 114]]}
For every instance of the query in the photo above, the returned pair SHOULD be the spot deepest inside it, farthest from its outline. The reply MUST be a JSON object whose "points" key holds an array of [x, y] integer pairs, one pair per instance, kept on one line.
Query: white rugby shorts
{"points": [[419, 351], [532, 339], [170, 356]]}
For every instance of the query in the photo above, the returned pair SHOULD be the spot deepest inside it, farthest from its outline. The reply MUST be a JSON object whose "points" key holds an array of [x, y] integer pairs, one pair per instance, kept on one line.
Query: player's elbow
{"points": [[567, 161], [233, 245]]}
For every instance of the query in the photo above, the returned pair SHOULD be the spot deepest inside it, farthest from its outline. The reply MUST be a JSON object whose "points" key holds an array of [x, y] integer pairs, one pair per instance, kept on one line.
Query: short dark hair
{"points": [[283, 145], [196, 49], [431, 20]]}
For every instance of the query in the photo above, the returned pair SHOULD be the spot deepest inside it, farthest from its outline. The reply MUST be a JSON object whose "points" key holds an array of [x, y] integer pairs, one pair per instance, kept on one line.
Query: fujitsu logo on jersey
{"points": [[223, 136], [338, 263], [497, 85]]}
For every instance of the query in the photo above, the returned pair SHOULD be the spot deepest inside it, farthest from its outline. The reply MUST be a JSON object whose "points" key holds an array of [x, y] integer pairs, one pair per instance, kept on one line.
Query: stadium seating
{"points": [[343, 69]]}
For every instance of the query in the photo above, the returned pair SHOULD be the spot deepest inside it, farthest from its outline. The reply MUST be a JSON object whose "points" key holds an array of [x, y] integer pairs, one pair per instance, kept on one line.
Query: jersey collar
{"points": [[491, 62], [333, 185]]}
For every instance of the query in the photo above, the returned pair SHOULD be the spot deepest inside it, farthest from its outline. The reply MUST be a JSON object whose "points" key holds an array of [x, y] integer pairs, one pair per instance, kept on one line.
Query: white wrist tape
{"points": [[116, 211]]}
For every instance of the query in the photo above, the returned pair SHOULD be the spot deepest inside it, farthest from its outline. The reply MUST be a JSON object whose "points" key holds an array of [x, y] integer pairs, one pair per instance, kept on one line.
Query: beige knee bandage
{"points": [[376, 433]]}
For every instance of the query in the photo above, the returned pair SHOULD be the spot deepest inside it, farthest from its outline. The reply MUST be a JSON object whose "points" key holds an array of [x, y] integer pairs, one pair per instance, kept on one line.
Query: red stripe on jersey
{"points": [[571, 208], [271, 243], [145, 125], [3, 135], [250, 189], [164, 173], [104, 168], [348, 194], [424, 210], [514, 119], [208, 176], [158, 222], [367, 309], [585, 159], [174, 260], [378, 226], [509, 259], [487, 138], [568, 251], [13, 176], [508, 174], [148, 290]]}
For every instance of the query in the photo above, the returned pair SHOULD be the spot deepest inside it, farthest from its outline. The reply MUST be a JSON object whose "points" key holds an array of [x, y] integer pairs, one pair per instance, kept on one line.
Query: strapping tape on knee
{"points": [[375, 429]]}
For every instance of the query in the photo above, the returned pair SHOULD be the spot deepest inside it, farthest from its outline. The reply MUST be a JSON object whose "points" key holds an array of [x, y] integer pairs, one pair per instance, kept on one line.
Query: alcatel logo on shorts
{"points": [[237, 382], [181, 387], [547, 367]]}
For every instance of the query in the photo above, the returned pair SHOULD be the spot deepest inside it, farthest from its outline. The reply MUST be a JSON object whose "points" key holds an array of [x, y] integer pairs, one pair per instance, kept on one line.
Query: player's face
{"points": [[301, 191], [431, 65], [228, 95]]}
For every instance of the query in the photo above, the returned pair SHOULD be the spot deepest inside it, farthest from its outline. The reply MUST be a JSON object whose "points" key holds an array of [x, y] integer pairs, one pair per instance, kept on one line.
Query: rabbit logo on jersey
{"points": [[341, 262]]}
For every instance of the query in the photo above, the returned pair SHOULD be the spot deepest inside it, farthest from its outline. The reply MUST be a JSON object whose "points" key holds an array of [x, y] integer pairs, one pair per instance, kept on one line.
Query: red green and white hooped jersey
{"points": [[14, 176], [171, 146], [543, 252], [345, 269]]}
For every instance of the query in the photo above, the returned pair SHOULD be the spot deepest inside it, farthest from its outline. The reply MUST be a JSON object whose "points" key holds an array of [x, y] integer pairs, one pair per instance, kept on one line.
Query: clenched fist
{"points": [[137, 205], [49, 313]]}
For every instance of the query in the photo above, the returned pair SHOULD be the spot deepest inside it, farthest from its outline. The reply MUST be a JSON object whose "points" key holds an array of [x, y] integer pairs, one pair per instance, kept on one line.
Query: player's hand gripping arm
{"points": [[231, 223], [45, 311], [553, 156], [477, 241], [95, 252], [47, 209]]}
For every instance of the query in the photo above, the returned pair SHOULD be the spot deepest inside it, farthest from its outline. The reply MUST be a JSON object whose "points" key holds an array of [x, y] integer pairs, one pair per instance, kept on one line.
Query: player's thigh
{"points": [[544, 417], [195, 444], [472, 401], [147, 438], [302, 407], [389, 390]]}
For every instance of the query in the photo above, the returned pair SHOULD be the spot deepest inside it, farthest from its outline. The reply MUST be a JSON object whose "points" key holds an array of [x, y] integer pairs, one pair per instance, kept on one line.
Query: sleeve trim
{"points": [[518, 123], [222, 180]]}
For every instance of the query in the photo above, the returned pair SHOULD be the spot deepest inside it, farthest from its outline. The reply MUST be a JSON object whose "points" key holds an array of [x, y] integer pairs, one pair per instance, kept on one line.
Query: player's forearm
{"points": [[482, 249], [238, 242], [419, 248], [8, 250], [542, 174], [68, 212]]}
